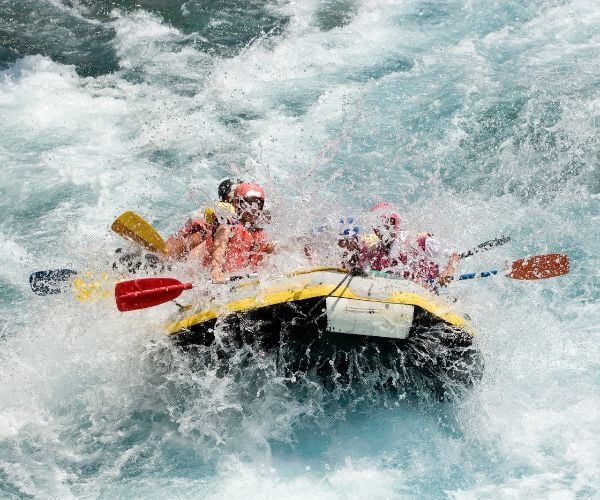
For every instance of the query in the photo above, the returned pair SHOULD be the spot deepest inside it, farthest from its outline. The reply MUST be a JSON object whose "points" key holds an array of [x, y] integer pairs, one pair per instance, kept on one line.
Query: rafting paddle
{"points": [[50, 282], [132, 226], [85, 286], [148, 292], [530, 268], [129, 224]]}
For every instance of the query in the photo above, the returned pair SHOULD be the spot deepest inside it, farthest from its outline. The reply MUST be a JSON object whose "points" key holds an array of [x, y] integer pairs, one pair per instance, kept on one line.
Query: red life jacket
{"points": [[245, 248]]}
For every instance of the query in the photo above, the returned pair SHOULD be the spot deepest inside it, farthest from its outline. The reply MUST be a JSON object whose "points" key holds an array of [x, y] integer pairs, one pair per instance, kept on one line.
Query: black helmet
{"points": [[226, 189]]}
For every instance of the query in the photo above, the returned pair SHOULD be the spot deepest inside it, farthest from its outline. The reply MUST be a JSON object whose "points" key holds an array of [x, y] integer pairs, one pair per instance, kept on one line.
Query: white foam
{"points": [[299, 113]]}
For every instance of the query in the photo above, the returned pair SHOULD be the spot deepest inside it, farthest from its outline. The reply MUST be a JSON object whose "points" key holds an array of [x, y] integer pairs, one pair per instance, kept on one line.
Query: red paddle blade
{"points": [[147, 292], [540, 267]]}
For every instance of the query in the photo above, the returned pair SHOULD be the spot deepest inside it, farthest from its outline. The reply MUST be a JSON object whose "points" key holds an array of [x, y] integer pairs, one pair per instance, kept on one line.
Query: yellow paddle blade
{"points": [[131, 225], [89, 287]]}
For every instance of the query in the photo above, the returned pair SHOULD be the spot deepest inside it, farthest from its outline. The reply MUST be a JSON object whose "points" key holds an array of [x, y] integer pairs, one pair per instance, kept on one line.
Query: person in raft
{"points": [[240, 244], [415, 258], [189, 239], [349, 241]]}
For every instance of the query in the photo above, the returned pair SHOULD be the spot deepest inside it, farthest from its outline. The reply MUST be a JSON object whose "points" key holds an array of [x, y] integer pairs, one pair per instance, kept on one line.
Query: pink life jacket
{"points": [[418, 265], [375, 257]]}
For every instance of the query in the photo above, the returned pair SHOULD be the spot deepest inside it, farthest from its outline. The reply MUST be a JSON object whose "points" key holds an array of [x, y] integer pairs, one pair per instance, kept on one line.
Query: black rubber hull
{"points": [[435, 356]]}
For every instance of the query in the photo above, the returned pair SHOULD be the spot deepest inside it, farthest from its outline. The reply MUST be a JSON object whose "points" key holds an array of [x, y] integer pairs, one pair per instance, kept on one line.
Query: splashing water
{"points": [[475, 119]]}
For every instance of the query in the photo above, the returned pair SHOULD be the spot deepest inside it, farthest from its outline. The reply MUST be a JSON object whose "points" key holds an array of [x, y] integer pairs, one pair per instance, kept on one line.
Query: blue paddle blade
{"points": [[50, 282]]}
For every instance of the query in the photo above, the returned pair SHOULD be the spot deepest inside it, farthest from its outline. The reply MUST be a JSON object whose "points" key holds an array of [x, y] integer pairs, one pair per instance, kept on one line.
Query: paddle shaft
{"points": [[486, 245], [484, 274]]}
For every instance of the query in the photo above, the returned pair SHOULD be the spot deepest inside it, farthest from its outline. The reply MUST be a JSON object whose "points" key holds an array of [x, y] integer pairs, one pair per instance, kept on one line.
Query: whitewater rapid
{"points": [[475, 119]]}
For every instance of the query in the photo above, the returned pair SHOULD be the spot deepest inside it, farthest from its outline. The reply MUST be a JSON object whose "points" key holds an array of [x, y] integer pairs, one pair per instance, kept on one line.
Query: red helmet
{"points": [[249, 190]]}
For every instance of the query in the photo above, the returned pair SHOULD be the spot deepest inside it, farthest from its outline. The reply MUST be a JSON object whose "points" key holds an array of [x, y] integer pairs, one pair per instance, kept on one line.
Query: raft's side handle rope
{"points": [[350, 274]]}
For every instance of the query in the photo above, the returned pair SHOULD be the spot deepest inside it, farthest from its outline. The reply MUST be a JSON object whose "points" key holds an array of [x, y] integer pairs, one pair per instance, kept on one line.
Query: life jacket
{"points": [[373, 254], [245, 248], [417, 265]]}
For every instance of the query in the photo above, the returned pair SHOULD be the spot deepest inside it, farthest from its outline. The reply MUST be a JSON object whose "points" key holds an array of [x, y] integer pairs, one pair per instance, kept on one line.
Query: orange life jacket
{"points": [[245, 248]]}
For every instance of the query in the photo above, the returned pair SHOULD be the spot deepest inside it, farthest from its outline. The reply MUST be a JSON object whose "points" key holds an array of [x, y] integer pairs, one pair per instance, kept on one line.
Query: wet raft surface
{"points": [[435, 357]]}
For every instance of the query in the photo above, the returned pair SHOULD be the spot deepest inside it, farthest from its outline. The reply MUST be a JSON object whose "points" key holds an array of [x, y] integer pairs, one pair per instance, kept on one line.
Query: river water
{"points": [[476, 119]]}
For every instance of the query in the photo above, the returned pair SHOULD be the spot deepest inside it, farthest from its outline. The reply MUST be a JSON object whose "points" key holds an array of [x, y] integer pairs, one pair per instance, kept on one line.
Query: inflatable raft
{"points": [[328, 324]]}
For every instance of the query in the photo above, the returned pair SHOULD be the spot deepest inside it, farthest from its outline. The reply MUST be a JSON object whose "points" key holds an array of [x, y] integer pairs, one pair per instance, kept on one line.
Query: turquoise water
{"points": [[475, 118]]}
